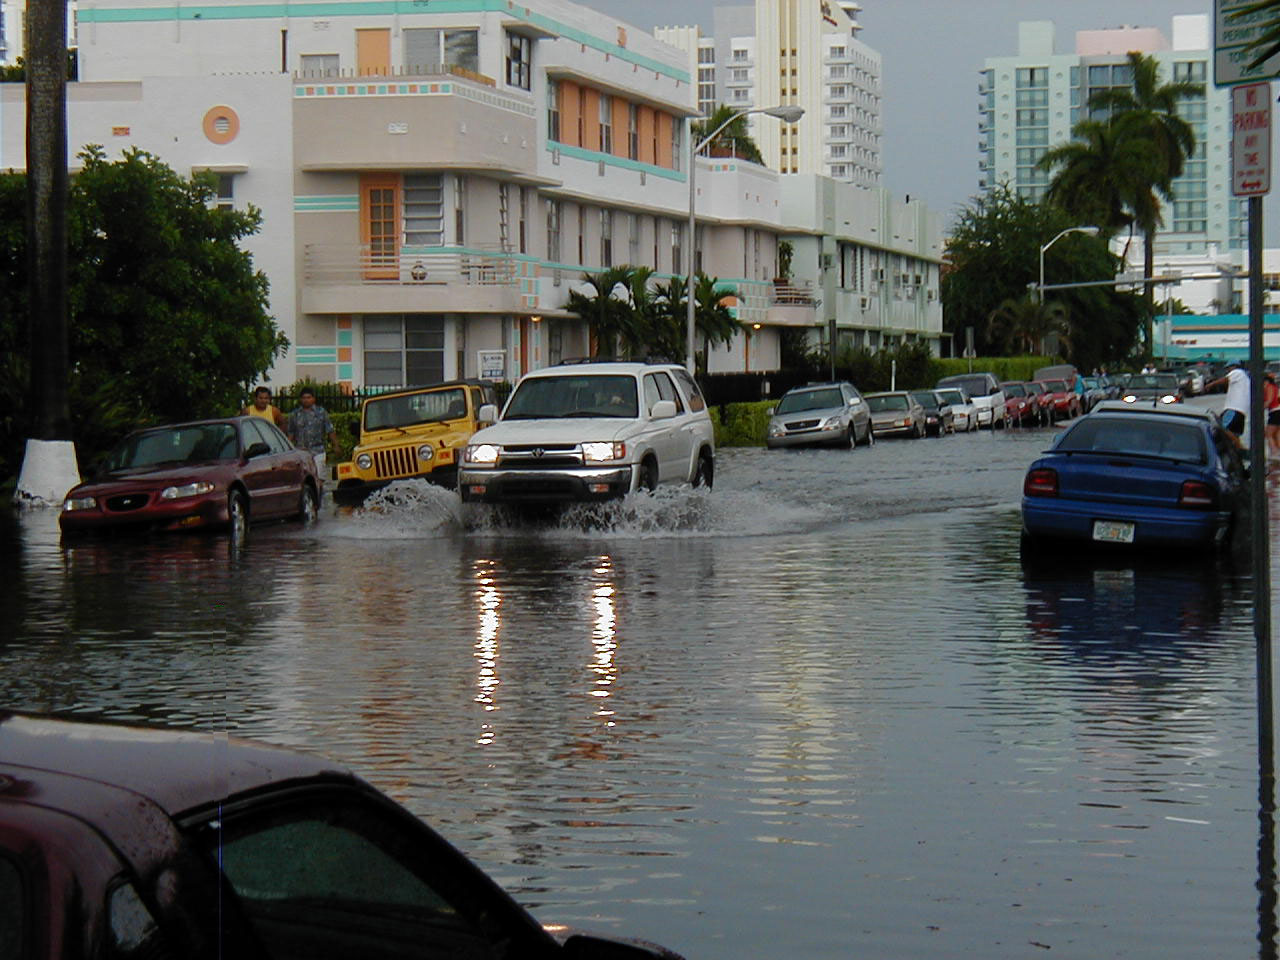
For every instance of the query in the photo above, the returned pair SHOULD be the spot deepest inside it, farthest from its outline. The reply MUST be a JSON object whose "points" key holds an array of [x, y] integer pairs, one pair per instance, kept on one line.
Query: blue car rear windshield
{"points": [[1128, 434]]}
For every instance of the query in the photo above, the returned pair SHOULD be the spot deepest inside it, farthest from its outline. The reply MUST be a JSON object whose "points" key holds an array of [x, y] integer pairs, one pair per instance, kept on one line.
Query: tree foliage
{"points": [[733, 140], [632, 316], [168, 317], [994, 256]]}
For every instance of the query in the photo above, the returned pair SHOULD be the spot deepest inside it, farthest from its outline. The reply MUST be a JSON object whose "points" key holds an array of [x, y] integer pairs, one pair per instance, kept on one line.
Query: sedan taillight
{"points": [[1042, 482], [1197, 495]]}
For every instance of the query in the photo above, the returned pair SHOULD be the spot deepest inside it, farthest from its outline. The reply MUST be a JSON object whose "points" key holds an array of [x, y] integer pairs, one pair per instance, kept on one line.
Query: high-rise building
{"points": [[778, 52], [1031, 101]]}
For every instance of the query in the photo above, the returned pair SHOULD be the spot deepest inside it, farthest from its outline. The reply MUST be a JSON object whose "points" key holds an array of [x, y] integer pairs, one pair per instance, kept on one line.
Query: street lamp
{"points": [[1091, 231], [787, 114]]}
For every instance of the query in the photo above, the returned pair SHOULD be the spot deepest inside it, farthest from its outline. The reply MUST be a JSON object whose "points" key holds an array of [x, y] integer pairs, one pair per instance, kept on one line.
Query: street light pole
{"points": [[1092, 231], [787, 114]]}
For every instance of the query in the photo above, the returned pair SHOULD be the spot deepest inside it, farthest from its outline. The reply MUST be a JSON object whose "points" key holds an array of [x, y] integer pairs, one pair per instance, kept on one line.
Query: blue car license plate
{"points": [[1113, 531]]}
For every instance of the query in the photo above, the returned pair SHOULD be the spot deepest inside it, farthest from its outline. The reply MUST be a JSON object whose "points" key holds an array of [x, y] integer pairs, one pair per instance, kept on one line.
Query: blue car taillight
{"points": [[1041, 482], [1197, 495]]}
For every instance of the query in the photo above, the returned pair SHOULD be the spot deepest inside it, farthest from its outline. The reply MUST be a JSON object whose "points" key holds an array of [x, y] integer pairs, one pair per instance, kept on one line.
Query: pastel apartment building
{"points": [[435, 177]]}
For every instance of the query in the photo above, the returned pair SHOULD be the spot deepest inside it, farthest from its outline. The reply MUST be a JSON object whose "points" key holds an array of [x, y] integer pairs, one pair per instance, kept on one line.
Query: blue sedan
{"points": [[1136, 475]]}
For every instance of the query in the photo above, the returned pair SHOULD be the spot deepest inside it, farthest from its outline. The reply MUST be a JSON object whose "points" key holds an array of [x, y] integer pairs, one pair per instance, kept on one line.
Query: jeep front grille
{"points": [[396, 462]]}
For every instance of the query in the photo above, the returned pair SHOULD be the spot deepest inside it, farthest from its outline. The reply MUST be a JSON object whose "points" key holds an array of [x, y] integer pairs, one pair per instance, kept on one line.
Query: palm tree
{"points": [[733, 139], [712, 320], [1128, 159], [609, 318], [1029, 322]]}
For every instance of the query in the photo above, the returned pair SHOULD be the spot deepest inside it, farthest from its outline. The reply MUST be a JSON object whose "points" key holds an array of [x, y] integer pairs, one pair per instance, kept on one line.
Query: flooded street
{"points": [[820, 712]]}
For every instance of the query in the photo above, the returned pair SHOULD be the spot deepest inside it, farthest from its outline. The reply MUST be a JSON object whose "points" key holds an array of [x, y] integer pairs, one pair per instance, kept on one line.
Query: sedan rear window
{"points": [[1125, 434], [880, 404]]}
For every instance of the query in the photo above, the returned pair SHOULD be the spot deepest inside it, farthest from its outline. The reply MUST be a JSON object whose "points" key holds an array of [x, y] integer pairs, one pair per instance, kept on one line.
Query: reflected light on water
{"points": [[604, 634], [488, 602]]}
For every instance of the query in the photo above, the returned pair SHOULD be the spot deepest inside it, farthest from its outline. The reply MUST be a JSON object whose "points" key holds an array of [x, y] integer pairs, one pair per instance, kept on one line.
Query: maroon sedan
{"points": [[1063, 400], [1019, 406], [131, 842], [211, 473]]}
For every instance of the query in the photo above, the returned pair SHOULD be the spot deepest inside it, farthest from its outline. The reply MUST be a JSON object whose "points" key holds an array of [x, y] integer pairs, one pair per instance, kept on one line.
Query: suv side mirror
{"points": [[488, 412], [256, 450], [770, 412], [663, 410]]}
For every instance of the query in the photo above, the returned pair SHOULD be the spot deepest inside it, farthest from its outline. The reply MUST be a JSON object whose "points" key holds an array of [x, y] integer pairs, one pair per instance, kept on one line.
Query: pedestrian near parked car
{"points": [[263, 407], [1236, 409], [309, 425], [1271, 403]]}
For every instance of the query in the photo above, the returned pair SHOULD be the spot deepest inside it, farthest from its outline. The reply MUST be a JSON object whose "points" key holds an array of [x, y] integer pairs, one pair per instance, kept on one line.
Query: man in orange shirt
{"points": [[263, 407]]}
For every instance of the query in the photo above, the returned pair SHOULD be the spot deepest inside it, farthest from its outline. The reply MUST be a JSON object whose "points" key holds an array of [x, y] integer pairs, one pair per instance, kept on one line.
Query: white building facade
{"points": [[804, 53], [434, 182]]}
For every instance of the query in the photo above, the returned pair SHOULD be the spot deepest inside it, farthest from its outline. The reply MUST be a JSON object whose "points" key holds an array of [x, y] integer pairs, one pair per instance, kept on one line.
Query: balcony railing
{"points": [[799, 294], [345, 264]]}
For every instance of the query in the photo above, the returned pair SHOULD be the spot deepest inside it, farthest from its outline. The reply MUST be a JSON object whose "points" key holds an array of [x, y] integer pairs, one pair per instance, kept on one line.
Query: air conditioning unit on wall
{"points": [[864, 303], [827, 261]]}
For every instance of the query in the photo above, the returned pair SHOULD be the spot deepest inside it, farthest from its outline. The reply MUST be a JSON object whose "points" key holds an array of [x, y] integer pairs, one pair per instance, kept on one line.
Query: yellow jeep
{"points": [[417, 433]]}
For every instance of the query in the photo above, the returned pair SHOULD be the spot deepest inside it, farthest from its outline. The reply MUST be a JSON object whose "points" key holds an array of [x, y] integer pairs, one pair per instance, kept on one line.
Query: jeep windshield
{"points": [[588, 395], [406, 410], [810, 400]]}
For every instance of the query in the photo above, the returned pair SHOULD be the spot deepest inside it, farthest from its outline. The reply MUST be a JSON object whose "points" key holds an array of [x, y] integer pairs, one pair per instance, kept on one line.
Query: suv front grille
{"points": [[802, 424], [532, 456], [396, 462]]}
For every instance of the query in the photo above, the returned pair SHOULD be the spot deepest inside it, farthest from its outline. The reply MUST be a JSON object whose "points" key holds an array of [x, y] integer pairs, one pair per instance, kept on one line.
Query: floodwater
{"points": [[819, 712]]}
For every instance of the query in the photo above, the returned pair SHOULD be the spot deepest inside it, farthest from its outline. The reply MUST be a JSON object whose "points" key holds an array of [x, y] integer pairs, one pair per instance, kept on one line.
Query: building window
{"points": [[423, 203], [553, 231], [633, 240], [606, 237], [459, 210], [519, 61], [1191, 71], [582, 234], [677, 141], [706, 53], [1032, 77], [429, 50], [553, 110], [677, 245], [504, 216], [606, 123], [522, 214], [403, 350], [225, 195], [319, 65], [633, 131]]}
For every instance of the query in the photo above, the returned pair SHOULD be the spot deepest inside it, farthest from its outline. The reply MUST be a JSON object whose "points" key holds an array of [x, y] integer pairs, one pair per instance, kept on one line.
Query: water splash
{"points": [[404, 510]]}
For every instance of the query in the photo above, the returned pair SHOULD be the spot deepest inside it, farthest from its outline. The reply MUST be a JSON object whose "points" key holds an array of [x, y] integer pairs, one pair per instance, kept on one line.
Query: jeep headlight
{"points": [[364, 461], [482, 454], [79, 503], [425, 452], [197, 489], [602, 451]]}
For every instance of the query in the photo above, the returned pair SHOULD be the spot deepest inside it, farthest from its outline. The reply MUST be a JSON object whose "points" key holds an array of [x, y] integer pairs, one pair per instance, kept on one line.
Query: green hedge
{"points": [[346, 426], [744, 424], [1005, 368]]}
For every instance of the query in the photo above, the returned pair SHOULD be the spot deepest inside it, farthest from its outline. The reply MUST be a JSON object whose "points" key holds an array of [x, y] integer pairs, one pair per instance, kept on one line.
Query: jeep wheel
{"points": [[705, 473], [648, 480]]}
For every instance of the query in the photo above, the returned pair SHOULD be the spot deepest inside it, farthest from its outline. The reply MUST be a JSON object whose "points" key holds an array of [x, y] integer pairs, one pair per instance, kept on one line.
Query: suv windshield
{"points": [[592, 395], [799, 400], [404, 411], [892, 402]]}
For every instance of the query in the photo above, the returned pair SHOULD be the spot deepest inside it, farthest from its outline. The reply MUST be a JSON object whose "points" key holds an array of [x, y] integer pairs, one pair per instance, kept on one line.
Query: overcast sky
{"points": [[933, 50]]}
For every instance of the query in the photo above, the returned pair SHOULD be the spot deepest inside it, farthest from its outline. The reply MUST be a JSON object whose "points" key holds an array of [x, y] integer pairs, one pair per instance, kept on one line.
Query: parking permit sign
{"points": [[1251, 139]]}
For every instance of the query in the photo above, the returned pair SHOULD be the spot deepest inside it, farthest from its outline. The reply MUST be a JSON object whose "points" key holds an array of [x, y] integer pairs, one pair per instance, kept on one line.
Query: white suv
{"points": [[591, 431]]}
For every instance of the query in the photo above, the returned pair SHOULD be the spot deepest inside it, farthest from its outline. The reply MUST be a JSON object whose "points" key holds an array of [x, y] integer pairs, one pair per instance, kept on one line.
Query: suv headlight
{"points": [[1130, 398], [482, 454], [777, 430], [79, 503], [830, 422], [602, 451], [364, 461], [425, 452], [199, 488]]}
